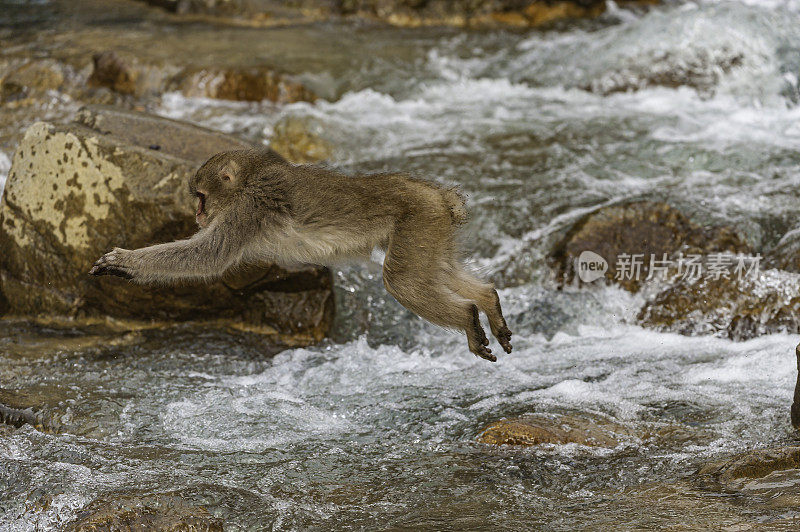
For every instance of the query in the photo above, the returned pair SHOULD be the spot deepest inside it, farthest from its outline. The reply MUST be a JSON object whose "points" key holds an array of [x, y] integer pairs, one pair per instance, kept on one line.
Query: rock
{"points": [[786, 253], [245, 84], [757, 304], [33, 77], [535, 429], [740, 472], [119, 179], [300, 140], [700, 69], [403, 12], [128, 75], [33, 407], [796, 403], [647, 228], [52, 408], [681, 505], [123, 512]]}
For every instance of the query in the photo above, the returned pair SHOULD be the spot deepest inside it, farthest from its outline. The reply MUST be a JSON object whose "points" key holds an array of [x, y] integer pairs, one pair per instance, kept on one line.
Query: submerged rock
{"points": [[54, 408], [119, 179], [700, 69], [31, 78], [244, 84], [786, 254], [300, 140], [130, 75], [756, 471], [36, 407], [536, 429], [730, 307], [112, 72], [645, 228], [123, 512]]}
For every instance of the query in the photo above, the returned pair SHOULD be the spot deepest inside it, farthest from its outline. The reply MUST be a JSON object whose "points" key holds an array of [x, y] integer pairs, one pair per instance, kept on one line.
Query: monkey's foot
{"points": [[477, 338], [476, 326], [110, 264], [484, 352], [503, 336]]}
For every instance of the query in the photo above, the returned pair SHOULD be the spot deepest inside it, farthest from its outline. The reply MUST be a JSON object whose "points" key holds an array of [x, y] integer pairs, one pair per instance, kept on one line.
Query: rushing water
{"points": [[376, 428]]}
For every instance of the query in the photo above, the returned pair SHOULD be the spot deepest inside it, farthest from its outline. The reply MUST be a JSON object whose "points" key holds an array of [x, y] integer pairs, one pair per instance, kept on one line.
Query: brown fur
{"points": [[253, 206]]}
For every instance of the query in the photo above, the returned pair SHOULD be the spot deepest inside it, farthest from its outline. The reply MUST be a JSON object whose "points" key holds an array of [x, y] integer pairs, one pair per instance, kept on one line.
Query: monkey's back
{"points": [[340, 215]]}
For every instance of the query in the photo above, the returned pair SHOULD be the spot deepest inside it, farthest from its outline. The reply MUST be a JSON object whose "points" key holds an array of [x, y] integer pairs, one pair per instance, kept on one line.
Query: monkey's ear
{"points": [[230, 172]]}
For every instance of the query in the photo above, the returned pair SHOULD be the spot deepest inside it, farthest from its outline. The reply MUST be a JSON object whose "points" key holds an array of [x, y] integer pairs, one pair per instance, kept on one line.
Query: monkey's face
{"points": [[215, 185]]}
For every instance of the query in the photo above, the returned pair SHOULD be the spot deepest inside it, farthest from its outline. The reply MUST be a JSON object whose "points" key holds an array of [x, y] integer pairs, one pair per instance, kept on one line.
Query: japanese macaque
{"points": [[255, 207]]}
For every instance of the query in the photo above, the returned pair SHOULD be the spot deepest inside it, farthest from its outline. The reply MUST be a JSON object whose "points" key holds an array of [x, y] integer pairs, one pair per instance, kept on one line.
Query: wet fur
{"points": [[256, 207]]}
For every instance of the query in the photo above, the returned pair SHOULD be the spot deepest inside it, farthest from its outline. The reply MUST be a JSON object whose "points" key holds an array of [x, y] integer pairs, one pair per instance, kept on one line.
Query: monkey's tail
{"points": [[456, 203]]}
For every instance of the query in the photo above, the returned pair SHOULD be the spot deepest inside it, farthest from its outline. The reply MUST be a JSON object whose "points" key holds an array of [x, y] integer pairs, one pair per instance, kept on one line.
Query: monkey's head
{"points": [[216, 185], [223, 179]]}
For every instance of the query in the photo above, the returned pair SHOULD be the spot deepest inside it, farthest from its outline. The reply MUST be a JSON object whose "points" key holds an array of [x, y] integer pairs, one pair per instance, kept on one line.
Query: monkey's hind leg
{"points": [[415, 280], [485, 296], [441, 307]]}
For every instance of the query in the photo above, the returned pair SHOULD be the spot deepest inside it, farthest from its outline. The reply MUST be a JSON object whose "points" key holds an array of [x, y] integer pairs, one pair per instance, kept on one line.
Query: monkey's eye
{"points": [[226, 177]]}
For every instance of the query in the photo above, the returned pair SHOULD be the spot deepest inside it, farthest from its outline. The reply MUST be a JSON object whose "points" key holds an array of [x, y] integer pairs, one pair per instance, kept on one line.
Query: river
{"points": [[376, 427]]}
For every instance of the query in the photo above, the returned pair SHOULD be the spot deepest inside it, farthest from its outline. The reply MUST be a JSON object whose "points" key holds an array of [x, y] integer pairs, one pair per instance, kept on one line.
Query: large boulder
{"points": [[120, 179], [642, 228], [735, 307]]}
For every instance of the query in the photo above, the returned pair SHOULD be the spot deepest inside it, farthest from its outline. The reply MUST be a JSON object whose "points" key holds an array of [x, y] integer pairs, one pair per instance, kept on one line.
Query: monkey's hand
{"points": [[115, 262]]}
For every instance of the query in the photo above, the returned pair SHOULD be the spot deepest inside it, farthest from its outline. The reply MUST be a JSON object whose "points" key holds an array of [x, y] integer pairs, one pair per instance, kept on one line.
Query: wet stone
{"points": [[243, 84], [730, 307], [42, 407], [701, 70], [33, 77], [647, 228], [125, 74], [300, 140], [755, 470], [537, 429], [786, 254], [123, 513]]}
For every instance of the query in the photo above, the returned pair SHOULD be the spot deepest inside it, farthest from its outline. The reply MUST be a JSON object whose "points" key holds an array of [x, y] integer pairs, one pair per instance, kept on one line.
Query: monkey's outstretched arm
{"points": [[207, 254]]}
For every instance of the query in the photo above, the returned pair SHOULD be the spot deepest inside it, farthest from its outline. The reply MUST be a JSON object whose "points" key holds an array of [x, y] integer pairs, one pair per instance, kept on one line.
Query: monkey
{"points": [[253, 206]]}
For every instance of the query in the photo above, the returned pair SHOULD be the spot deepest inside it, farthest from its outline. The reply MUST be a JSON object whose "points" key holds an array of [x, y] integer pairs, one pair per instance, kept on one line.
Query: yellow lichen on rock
{"points": [[38, 185]]}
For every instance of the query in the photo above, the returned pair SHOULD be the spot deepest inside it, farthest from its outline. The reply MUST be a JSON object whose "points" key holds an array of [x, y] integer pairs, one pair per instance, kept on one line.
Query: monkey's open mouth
{"points": [[201, 204], [200, 215]]}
